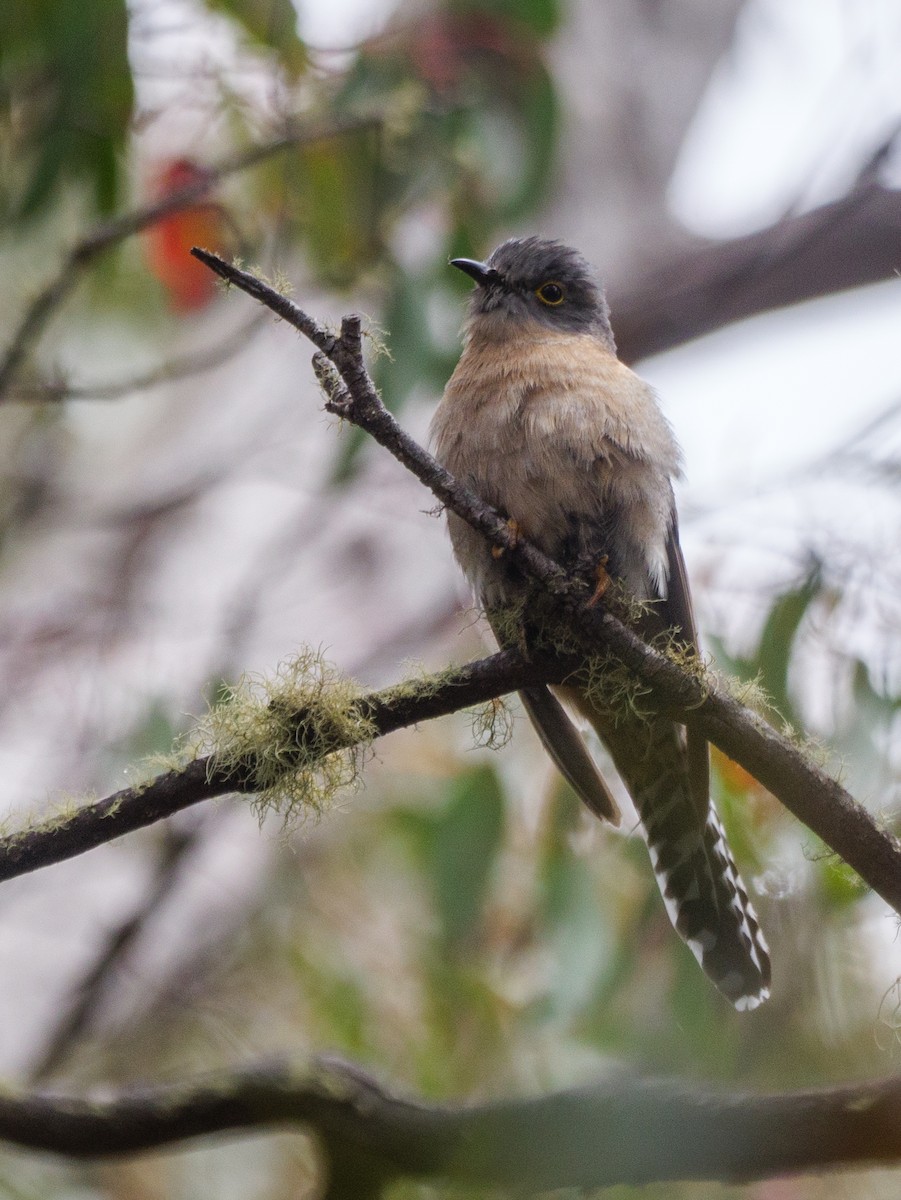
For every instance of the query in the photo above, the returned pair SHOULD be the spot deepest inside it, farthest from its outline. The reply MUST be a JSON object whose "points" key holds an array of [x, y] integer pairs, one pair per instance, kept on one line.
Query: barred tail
{"points": [[707, 901], [704, 894]]}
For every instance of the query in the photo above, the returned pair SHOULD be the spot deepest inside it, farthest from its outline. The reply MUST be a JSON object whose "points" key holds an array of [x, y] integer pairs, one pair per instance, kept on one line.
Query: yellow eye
{"points": [[551, 293]]}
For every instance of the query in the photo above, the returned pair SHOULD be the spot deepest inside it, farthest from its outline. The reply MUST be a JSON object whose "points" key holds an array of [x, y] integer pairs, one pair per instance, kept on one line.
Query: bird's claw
{"points": [[513, 526], [602, 583]]}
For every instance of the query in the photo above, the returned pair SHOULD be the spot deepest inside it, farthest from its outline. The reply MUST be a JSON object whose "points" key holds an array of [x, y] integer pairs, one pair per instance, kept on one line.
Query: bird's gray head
{"points": [[539, 280]]}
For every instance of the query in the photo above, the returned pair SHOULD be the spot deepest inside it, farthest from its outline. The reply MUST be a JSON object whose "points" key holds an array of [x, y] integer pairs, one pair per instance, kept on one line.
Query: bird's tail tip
{"points": [[709, 907]]}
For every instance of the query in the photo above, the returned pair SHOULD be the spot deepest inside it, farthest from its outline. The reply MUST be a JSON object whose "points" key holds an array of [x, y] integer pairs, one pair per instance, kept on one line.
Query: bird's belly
{"points": [[564, 440], [576, 511]]}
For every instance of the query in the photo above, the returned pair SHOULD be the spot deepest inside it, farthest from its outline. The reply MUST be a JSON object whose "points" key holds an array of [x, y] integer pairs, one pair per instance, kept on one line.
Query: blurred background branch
{"points": [[623, 1129], [849, 243]]}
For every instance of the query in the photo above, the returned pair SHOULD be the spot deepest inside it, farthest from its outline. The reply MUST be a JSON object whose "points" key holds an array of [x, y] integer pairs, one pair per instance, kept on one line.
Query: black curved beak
{"points": [[478, 271]]}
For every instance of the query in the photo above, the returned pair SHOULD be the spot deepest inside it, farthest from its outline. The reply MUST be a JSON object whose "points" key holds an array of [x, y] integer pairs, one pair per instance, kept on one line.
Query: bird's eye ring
{"points": [[551, 293]]}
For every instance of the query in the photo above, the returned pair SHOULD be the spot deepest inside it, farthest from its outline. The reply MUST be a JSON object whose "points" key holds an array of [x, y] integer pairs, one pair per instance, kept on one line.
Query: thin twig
{"points": [[167, 372], [807, 791]]}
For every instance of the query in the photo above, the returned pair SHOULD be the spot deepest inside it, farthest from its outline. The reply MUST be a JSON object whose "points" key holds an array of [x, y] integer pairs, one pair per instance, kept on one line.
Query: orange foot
{"points": [[603, 581], [513, 526]]}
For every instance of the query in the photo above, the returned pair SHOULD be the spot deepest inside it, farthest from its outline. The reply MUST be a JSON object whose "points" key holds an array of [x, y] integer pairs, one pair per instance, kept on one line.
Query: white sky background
{"points": [[336, 23], [810, 90]]}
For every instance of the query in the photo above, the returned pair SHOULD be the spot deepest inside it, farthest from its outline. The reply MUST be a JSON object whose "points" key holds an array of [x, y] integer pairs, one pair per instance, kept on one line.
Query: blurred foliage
{"points": [[459, 119], [67, 95], [457, 845], [271, 24], [858, 734]]}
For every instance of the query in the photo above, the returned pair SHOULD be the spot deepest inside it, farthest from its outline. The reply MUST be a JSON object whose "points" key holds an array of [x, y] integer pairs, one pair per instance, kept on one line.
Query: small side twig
{"points": [[355, 397]]}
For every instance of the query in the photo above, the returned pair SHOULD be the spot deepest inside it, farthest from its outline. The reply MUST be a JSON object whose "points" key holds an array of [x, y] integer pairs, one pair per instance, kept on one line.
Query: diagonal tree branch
{"points": [[620, 1129], [813, 796]]}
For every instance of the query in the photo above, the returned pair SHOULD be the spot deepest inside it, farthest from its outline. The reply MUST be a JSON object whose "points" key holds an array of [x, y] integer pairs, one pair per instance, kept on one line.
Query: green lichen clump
{"points": [[296, 739], [534, 623]]}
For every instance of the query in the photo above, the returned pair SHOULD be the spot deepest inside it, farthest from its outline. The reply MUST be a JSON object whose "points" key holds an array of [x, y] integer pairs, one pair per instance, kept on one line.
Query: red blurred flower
{"points": [[189, 285]]}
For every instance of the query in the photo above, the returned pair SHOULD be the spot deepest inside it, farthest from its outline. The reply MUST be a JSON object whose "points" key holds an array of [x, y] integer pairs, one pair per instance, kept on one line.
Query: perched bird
{"points": [[542, 421]]}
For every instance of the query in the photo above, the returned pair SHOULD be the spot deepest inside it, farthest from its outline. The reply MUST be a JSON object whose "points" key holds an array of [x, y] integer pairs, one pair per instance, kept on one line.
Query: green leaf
{"points": [[271, 23], [345, 469], [337, 190], [338, 1000], [579, 936], [575, 925], [540, 16], [705, 1020], [778, 636], [65, 64], [465, 840], [538, 113], [405, 319], [841, 884]]}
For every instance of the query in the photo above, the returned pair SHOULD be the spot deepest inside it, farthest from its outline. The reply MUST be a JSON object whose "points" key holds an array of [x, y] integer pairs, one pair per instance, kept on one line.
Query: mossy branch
{"points": [[276, 752], [619, 1129]]}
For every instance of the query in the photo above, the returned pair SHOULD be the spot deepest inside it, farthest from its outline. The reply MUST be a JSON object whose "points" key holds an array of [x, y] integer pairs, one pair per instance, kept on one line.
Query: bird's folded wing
{"points": [[566, 747], [677, 612]]}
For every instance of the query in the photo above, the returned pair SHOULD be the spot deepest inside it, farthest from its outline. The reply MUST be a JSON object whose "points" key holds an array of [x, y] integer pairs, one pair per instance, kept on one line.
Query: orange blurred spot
{"points": [[735, 777], [189, 285]]}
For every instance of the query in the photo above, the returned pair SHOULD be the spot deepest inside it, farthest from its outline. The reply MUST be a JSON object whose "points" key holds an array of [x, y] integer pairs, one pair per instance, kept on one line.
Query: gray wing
{"points": [[563, 742], [678, 614], [567, 749]]}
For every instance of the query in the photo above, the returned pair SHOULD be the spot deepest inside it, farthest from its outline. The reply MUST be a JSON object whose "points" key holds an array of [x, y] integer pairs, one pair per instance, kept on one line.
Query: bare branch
{"points": [[353, 395], [620, 1129], [691, 697], [167, 372]]}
